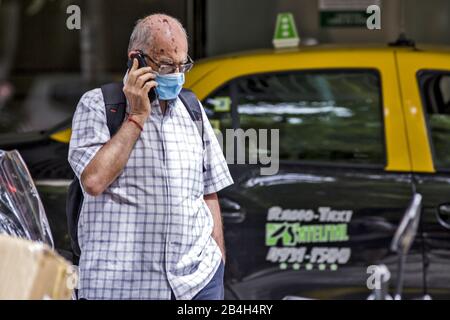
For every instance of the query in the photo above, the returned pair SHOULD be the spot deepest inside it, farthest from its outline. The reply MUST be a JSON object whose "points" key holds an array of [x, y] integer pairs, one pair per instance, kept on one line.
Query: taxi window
{"points": [[218, 108], [435, 87], [328, 116]]}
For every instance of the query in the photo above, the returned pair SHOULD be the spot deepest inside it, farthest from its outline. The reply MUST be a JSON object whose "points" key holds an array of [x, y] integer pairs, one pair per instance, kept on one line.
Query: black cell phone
{"points": [[141, 60]]}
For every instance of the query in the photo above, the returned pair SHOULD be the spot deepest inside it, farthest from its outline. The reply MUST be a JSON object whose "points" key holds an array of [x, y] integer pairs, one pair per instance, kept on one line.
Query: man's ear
{"points": [[131, 53]]}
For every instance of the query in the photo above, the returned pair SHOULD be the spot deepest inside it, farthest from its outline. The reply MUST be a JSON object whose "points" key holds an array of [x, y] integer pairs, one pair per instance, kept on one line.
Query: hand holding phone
{"points": [[138, 86], [141, 64]]}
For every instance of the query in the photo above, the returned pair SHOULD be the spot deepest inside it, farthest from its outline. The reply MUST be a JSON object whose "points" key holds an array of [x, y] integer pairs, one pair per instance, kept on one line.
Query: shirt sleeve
{"points": [[89, 130], [216, 175]]}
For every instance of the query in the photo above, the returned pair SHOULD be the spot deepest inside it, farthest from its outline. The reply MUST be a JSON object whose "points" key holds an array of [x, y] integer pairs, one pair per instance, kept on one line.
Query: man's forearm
{"points": [[110, 160], [213, 204]]}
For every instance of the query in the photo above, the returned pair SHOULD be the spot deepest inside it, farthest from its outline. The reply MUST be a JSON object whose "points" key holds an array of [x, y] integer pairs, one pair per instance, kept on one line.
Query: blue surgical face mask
{"points": [[169, 85]]}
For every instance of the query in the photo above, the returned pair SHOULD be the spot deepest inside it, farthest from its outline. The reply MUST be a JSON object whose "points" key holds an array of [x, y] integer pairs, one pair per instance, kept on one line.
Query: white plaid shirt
{"points": [[150, 230]]}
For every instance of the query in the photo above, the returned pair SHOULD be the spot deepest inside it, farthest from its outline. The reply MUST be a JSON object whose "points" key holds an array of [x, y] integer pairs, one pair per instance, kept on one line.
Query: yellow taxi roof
{"points": [[207, 65]]}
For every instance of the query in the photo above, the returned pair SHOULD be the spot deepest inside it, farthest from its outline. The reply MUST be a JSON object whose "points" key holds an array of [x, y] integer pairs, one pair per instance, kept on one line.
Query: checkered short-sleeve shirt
{"points": [[149, 232]]}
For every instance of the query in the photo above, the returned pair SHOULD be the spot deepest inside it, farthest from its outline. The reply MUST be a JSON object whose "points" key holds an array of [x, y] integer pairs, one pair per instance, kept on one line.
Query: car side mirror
{"points": [[404, 238], [407, 230]]}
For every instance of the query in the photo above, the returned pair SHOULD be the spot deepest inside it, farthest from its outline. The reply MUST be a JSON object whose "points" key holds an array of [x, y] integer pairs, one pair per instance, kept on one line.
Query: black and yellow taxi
{"points": [[361, 129]]}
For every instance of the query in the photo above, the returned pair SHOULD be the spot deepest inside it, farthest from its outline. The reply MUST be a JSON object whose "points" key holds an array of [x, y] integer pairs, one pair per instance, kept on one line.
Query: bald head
{"points": [[160, 36]]}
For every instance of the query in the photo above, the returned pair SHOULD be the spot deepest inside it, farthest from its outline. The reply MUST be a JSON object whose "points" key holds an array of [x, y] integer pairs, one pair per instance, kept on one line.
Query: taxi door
{"points": [[425, 84]]}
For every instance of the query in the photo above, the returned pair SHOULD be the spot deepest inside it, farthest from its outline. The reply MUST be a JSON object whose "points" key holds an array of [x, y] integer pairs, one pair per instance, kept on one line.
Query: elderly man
{"points": [[150, 225]]}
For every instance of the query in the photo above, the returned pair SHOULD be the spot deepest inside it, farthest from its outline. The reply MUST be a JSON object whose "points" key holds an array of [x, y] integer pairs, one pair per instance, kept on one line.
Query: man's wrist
{"points": [[139, 119]]}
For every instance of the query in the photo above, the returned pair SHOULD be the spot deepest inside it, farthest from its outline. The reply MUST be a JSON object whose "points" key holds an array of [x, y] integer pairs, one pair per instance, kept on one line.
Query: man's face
{"points": [[169, 45]]}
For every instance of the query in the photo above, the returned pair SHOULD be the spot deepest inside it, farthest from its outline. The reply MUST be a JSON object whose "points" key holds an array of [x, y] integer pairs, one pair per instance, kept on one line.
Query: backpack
{"points": [[115, 107]]}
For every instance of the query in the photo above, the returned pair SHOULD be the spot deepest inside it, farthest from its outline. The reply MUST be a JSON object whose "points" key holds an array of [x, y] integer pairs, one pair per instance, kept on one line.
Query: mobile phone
{"points": [[141, 60]]}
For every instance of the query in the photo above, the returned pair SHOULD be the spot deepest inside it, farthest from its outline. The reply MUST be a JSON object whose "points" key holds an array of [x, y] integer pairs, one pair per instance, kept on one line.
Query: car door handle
{"points": [[444, 215], [231, 211]]}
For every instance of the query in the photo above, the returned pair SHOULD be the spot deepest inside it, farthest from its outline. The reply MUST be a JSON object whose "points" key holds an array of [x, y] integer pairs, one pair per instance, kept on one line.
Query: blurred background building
{"points": [[44, 66]]}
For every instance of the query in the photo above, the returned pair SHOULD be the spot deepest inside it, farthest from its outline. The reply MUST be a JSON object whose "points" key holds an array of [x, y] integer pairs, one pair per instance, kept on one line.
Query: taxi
{"points": [[361, 129]]}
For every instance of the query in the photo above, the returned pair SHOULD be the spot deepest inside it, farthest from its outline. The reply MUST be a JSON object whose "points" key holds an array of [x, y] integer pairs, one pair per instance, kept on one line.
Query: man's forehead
{"points": [[171, 54], [169, 51]]}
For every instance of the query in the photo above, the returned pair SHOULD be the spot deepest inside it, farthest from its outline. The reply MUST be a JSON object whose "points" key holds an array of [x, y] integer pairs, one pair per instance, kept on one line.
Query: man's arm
{"points": [[110, 160], [213, 204], [112, 157]]}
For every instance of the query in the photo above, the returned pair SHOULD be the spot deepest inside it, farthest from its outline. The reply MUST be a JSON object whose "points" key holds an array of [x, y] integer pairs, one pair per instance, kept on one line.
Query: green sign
{"points": [[343, 18], [291, 234], [285, 31]]}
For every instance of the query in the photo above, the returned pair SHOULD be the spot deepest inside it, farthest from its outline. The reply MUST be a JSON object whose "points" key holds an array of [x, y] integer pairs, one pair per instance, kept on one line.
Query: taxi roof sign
{"points": [[285, 31]]}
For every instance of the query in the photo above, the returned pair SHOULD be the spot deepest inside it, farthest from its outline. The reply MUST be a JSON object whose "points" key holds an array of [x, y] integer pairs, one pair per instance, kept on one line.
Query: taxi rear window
{"points": [[435, 90]]}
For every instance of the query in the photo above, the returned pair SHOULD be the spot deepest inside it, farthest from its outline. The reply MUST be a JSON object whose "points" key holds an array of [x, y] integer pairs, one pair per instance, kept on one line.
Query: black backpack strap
{"points": [[194, 109], [115, 105]]}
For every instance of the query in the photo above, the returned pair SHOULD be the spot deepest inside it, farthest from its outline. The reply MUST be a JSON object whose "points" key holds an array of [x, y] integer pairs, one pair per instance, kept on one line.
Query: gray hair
{"points": [[142, 36]]}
